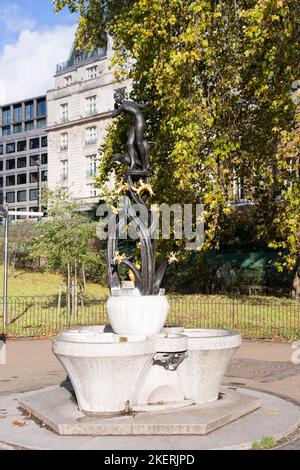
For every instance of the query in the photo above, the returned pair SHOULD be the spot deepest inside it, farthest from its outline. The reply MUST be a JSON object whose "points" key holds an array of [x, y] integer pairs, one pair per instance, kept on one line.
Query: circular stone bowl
{"points": [[209, 354], [105, 369], [138, 315]]}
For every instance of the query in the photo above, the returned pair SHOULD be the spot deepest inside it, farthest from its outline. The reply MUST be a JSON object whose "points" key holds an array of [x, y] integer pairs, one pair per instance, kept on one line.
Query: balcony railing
{"points": [[64, 119], [91, 173], [91, 112], [90, 141], [81, 59]]}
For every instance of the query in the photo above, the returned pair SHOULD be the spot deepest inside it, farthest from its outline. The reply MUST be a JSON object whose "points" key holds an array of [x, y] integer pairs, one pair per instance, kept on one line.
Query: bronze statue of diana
{"points": [[137, 146]]}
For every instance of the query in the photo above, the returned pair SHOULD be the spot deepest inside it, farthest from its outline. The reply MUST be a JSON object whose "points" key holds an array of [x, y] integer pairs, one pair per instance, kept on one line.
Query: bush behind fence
{"points": [[259, 317]]}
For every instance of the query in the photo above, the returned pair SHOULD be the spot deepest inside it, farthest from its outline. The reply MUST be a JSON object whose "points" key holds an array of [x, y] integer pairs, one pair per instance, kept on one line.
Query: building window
{"points": [[44, 141], [34, 177], [21, 209], [1, 166], [10, 180], [64, 112], [18, 115], [21, 196], [33, 195], [91, 135], [44, 175], [34, 160], [68, 80], [29, 110], [91, 166], [34, 144], [11, 148], [41, 123], [1, 149], [64, 141], [65, 170], [1, 182], [6, 116], [1, 199], [44, 158], [92, 191], [92, 72], [22, 178], [41, 107], [17, 128], [29, 126], [21, 146], [91, 105], [10, 197], [10, 164], [22, 162], [6, 130]]}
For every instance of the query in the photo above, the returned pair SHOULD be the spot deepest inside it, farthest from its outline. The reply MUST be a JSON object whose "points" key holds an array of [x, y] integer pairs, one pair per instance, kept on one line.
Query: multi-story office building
{"points": [[23, 154], [79, 111]]}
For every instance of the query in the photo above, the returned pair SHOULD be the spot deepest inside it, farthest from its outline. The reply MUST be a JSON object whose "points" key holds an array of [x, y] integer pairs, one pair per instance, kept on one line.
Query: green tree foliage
{"points": [[66, 238], [219, 74]]}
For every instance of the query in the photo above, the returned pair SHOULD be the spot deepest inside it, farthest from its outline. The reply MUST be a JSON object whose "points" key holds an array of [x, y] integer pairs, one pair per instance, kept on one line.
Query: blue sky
{"points": [[20, 14], [32, 40]]}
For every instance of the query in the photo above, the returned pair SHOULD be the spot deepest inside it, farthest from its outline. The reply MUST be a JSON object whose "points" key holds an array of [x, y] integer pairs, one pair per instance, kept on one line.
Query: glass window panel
{"points": [[21, 146], [18, 115], [6, 116], [22, 178], [41, 107], [44, 142], [11, 197], [10, 180], [21, 196], [10, 148], [10, 164], [34, 144], [6, 130], [17, 129], [29, 110], [33, 194], [34, 177], [29, 126]]}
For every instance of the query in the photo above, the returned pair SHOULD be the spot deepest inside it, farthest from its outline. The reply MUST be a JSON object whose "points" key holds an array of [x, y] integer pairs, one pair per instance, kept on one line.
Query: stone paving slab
{"points": [[276, 418], [66, 419]]}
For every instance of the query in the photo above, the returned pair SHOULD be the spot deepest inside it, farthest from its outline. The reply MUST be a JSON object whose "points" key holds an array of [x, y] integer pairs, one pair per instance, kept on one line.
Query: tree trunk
{"points": [[296, 281], [68, 294], [75, 291]]}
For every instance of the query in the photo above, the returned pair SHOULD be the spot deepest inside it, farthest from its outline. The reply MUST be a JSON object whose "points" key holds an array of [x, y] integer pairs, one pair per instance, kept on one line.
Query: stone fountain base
{"points": [[65, 418], [129, 385], [121, 373]]}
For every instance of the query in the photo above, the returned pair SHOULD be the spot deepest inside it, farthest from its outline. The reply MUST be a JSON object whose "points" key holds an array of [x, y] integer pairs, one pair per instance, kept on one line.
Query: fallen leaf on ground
{"points": [[18, 423]]}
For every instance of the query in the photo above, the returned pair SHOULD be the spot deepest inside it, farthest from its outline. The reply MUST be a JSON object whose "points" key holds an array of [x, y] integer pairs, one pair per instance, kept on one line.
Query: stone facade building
{"points": [[79, 111]]}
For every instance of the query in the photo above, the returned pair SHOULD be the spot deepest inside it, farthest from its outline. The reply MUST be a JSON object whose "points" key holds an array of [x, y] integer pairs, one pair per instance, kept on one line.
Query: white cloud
{"points": [[12, 19], [27, 67]]}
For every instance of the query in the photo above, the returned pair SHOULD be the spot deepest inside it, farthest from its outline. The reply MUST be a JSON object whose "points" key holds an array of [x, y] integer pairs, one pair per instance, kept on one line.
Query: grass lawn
{"points": [[25, 283], [254, 317]]}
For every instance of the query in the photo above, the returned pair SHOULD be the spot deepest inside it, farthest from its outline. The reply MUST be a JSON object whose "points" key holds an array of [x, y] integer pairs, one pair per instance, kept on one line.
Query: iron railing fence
{"points": [[254, 317]]}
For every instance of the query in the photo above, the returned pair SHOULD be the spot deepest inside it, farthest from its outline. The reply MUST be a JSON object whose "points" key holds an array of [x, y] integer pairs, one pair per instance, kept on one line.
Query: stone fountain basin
{"points": [[134, 315], [105, 369], [209, 354]]}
